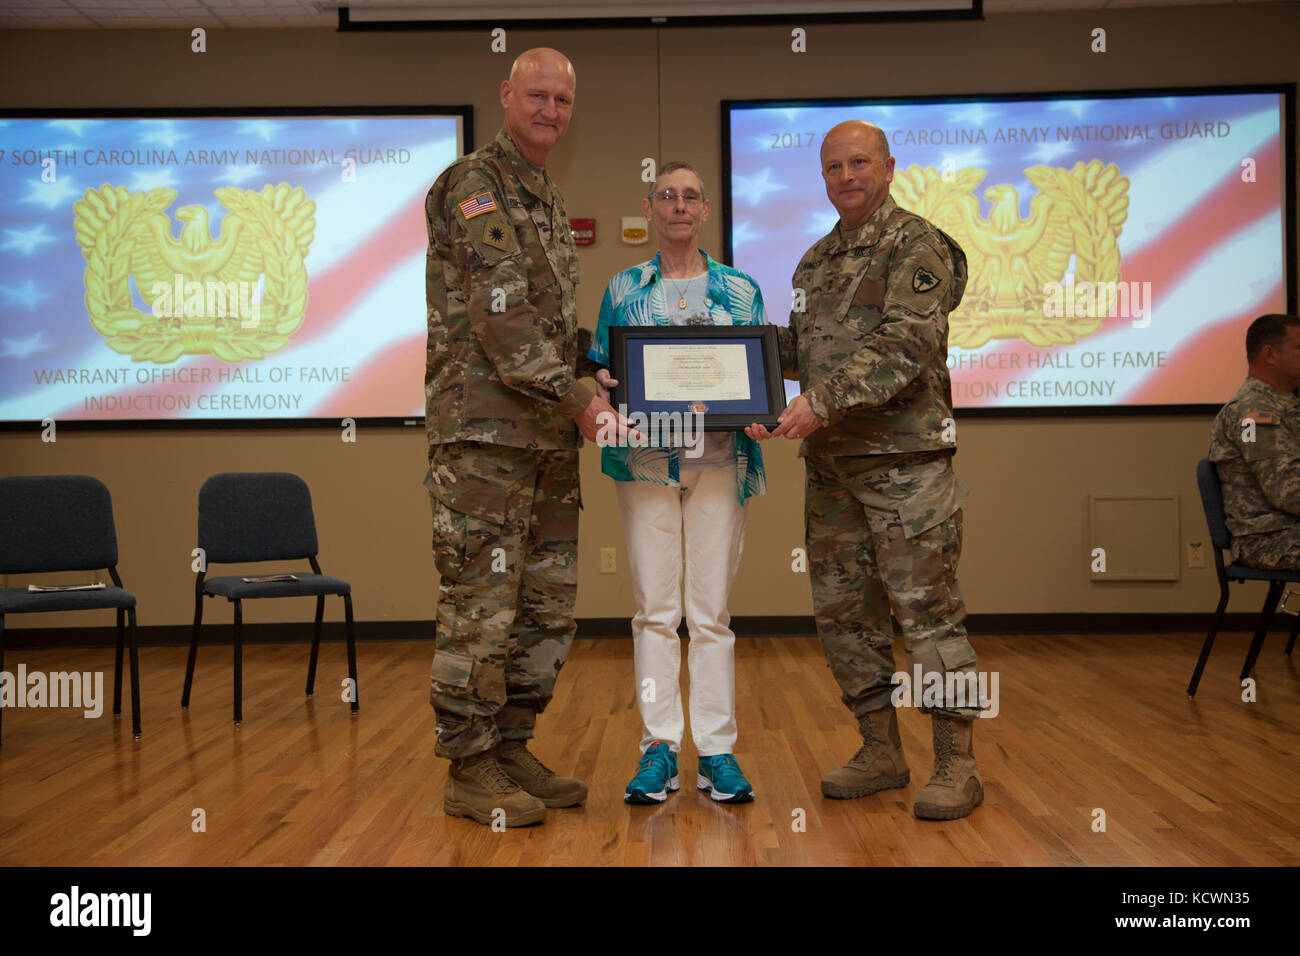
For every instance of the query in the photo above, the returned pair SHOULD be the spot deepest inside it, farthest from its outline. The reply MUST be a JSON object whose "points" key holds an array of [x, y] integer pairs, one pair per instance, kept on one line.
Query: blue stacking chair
{"points": [[262, 516], [1207, 479], [54, 523]]}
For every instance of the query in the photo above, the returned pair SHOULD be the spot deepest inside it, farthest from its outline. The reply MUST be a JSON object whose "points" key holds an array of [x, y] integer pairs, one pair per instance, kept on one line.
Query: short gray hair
{"points": [[673, 167]]}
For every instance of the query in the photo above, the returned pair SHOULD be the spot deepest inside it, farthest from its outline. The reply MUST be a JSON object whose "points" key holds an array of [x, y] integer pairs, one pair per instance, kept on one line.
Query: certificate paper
{"points": [[686, 373]]}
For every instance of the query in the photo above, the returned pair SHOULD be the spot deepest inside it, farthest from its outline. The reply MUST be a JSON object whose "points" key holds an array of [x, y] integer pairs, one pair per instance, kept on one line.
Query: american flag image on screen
{"points": [[1199, 232], [359, 349]]}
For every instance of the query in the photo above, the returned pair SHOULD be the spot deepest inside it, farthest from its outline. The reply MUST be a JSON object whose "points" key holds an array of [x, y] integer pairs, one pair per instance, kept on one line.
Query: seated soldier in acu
{"points": [[1255, 446]]}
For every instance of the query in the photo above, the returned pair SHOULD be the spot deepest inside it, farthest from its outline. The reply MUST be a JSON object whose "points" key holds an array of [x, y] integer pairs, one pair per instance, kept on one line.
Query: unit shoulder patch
{"points": [[492, 237], [496, 233], [923, 280]]}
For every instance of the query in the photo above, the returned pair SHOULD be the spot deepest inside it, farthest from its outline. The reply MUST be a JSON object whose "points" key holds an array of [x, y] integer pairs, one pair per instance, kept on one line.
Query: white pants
{"points": [[706, 511]]}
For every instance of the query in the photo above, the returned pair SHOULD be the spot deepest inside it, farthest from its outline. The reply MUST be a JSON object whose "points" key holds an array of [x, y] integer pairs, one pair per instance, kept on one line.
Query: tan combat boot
{"points": [[878, 764], [478, 788], [534, 776], [954, 789]]}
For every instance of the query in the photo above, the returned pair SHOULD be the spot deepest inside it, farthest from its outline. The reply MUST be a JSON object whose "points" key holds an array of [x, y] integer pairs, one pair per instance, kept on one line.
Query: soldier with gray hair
{"points": [[882, 503], [1255, 447], [503, 413]]}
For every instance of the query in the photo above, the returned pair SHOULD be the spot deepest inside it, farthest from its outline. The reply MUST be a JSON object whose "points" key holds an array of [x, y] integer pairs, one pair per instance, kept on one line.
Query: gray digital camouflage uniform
{"points": [[882, 503], [500, 396], [1259, 468]]}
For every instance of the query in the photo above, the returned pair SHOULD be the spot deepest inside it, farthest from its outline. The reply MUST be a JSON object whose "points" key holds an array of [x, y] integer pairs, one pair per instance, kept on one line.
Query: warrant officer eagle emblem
{"points": [[1079, 212], [193, 284]]}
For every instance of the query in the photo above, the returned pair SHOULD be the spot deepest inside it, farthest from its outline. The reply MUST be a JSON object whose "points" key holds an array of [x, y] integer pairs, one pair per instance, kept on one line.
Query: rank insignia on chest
{"points": [[923, 280]]}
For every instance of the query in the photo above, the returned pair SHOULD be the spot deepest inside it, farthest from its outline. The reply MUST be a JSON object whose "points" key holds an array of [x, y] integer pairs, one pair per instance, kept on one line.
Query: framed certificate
{"points": [[731, 374]]}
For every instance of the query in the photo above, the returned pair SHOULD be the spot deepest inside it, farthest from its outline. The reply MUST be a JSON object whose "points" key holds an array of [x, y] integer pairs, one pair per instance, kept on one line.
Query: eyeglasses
{"points": [[669, 197]]}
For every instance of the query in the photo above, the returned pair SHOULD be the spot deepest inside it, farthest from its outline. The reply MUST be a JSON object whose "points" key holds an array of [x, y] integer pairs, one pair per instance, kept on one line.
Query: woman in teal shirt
{"points": [[667, 497]]}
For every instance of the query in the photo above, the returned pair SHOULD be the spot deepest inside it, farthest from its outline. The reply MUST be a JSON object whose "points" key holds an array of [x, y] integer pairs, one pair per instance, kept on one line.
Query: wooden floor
{"points": [[1085, 724]]}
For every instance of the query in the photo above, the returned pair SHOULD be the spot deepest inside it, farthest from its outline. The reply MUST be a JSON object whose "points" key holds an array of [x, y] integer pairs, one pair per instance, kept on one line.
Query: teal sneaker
{"points": [[656, 775], [722, 777]]}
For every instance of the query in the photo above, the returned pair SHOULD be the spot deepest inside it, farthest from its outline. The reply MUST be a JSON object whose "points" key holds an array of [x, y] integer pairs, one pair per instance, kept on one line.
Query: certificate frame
{"points": [[766, 385]]}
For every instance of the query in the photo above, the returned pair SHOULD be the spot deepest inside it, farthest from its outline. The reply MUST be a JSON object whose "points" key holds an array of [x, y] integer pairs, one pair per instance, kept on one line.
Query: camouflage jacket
{"points": [[870, 347], [500, 283], [1259, 466]]}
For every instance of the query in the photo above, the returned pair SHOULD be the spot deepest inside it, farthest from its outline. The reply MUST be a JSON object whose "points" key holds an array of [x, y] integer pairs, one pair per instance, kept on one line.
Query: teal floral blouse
{"points": [[636, 297]]}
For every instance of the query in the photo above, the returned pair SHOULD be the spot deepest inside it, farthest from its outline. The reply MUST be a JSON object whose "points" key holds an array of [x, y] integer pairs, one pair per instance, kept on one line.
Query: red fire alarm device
{"points": [[584, 231]]}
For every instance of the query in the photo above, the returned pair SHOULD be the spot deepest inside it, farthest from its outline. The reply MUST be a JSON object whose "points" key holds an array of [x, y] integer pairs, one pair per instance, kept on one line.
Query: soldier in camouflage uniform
{"points": [[502, 400], [882, 503], [1255, 446]]}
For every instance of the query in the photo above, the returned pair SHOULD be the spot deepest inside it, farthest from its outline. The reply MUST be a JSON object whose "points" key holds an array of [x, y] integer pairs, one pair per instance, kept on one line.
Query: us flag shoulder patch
{"points": [[477, 205], [1260, 418]]}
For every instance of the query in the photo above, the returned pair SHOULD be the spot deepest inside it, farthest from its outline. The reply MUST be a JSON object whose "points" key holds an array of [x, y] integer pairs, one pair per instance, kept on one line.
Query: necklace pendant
{"points": [[681, 303]]}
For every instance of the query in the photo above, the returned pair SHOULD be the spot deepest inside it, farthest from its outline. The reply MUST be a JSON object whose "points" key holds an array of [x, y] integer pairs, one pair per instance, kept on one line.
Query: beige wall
{"points": [[1026, 520]]}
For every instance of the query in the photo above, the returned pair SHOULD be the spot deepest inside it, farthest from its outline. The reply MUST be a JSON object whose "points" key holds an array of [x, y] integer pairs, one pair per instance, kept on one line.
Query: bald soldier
{"points": [[503, 413], [882, 503], [1255, 447]]}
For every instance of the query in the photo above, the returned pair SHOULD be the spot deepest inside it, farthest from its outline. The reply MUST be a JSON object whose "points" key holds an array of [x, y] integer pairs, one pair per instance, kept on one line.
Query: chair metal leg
{"points": [[117, 665], [239, 661], [315, 643], [135, 677], [194, 649], [1261, 629], [352, 653], [1209, 642]]}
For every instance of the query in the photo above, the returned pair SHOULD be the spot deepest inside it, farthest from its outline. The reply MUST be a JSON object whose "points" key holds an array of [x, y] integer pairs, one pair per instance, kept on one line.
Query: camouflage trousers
{"points": [[884, 535], [1269, 550], [505, 541]]}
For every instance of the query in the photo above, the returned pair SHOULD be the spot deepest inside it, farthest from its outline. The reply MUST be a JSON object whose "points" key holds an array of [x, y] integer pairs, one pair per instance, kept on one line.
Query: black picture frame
{"points": [[769, 382]]}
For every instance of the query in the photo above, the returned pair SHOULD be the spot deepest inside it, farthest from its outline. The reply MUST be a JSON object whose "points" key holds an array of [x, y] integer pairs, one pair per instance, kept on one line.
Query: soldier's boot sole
{"points": [[942, 811], [454, 808], [840, 791], [511, 811]]}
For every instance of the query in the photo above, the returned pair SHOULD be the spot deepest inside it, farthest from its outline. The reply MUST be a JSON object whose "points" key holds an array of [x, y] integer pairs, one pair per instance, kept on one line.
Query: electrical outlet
{"points": [[608, 561], [1196, 555]]}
